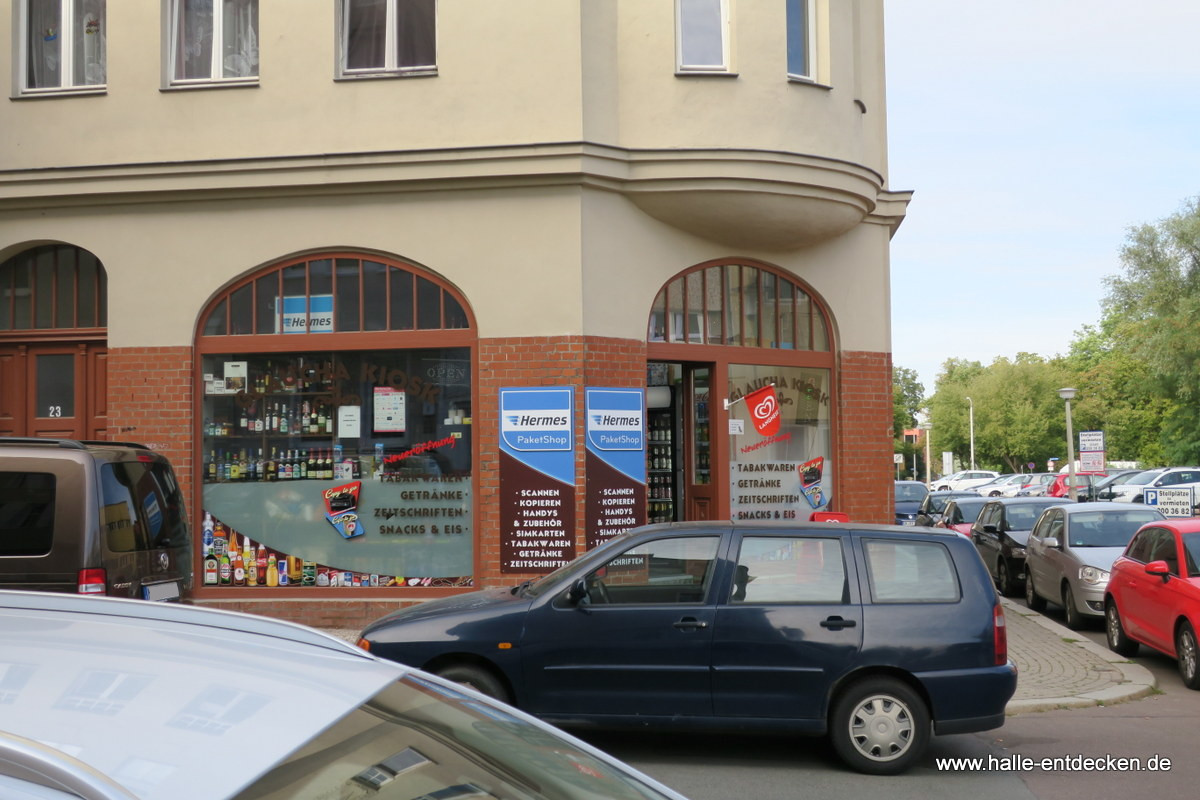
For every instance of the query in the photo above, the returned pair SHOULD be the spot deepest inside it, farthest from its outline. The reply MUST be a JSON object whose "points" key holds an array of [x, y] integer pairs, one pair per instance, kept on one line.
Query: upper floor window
{"points": [[63, 43], [388, 37], [702, 35], [213, 40], [801, 35]]}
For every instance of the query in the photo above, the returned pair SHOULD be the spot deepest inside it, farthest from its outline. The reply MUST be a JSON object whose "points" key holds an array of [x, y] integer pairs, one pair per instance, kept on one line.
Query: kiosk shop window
{"points": [[328, 460]]}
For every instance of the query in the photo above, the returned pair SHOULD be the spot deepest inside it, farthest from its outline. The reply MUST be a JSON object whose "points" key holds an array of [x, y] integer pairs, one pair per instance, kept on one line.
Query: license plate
{"points": [[166, 592], [908, 522]]}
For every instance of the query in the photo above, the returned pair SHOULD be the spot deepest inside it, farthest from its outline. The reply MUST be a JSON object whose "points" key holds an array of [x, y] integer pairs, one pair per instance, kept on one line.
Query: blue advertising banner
{"points": [[537, 478], [615, 433]]}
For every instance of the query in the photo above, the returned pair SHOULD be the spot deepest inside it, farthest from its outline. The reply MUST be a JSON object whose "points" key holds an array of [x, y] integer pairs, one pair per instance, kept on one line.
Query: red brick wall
{"points": [[150, 397], [865, 445]]}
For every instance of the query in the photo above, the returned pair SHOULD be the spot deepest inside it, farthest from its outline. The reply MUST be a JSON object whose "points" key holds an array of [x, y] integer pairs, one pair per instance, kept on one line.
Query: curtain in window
{"points": [[193, 39], [415, 33], [90, 32], [44, 43], [366, 32], [240, 37]]}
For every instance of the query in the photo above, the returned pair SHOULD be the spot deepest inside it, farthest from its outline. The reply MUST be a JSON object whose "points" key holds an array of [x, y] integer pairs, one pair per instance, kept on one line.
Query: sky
{"points": [[1034, 134]]}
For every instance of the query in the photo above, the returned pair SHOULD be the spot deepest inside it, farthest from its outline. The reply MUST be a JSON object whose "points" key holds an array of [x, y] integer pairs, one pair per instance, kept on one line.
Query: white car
{"points": [[967, 479], [117, 699], [1004, 486], [1134, 491]]}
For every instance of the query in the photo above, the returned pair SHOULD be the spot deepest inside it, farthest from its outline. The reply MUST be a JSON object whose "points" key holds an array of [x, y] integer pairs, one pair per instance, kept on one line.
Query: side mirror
{"points": [[1050, 541], [1159, 569], [577, 592], [990, 528]]}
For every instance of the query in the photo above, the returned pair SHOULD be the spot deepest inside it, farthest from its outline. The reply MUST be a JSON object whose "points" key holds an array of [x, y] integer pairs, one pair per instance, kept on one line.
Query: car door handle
{"points": [[837, 623], [690, 624]]}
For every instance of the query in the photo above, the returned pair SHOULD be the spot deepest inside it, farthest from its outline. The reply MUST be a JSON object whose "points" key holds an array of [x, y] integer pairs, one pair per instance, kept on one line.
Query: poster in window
{"points": [[389, 410]]}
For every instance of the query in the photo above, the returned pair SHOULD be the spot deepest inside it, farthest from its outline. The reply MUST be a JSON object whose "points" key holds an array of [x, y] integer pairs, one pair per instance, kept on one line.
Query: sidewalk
{"points": [[1059, 668]]}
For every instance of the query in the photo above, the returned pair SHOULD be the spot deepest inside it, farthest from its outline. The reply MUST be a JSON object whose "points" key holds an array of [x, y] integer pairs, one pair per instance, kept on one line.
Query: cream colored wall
{"points": [[628, 257], [515, 258]]}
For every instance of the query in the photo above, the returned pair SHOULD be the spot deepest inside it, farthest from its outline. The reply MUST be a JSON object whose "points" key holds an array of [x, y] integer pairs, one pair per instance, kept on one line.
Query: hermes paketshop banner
{"points": [[614, 426], [537, 478]]}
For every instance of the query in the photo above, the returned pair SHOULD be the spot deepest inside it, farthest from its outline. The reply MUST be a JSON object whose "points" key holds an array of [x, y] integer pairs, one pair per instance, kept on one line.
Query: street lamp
{"points": [[971, 417], [1068, 395], [927, 427]]}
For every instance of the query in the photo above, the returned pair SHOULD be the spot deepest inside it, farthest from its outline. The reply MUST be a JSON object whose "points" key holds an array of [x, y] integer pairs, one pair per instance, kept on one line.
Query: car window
{"points": [[910, 492], [1052, 527], [910, 572], [26, 513], [1164, 550], [1143, 478], [675, 570], [1191, 553], [142, 507], [969, 509], [1142, 544], [1107, 529], [773, 569]]}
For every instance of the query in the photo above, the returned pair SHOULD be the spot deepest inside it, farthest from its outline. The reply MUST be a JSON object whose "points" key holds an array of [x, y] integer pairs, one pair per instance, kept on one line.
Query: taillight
{"points": [[1000, 635], [92, 581]]}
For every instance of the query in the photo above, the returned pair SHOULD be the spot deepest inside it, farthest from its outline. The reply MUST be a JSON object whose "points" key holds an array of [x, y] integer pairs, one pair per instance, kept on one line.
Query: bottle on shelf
{"points": [[262, 563], [225, 568], [239, 567], [272, 569]]}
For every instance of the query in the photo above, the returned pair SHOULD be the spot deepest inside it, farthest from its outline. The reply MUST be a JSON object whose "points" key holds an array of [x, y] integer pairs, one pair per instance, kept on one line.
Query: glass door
{"points": [[698, 441]]}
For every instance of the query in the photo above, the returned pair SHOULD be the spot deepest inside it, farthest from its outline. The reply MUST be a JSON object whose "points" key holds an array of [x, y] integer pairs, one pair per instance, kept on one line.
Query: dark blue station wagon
{"points": [[877, 636]]}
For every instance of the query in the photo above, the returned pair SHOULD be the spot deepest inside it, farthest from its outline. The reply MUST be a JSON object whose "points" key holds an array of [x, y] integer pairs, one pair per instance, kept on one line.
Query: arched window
{"points": [[738, 305], [52, 287], [335, 294]]}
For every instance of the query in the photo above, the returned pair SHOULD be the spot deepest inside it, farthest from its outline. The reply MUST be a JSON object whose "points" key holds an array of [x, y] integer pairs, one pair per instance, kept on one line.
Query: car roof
{"points": [[1026, 501], [1114, 508], [106, 679]]}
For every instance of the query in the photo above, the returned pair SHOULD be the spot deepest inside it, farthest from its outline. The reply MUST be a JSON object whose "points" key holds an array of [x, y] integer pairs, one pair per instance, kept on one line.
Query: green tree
{"points": [[948, 411], [1153, 312], [908, 398]]}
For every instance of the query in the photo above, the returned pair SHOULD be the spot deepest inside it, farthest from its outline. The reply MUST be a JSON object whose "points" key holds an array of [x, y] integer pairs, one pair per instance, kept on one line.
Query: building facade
{"points": [[426, 296]]}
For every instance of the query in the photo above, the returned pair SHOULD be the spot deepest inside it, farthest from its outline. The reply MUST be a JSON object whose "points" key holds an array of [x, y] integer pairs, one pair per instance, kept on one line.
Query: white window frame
{"points": [[216, 70], [684, 68], [809, 34], [66, 69], [391, 49]]}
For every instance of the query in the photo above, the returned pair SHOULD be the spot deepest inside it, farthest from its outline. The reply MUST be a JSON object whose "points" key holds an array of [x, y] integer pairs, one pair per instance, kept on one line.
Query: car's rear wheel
{"points": [[1187, 655], [1118, 641], [879, 726], [1074, 617], [477, 678], [1032, 599]]}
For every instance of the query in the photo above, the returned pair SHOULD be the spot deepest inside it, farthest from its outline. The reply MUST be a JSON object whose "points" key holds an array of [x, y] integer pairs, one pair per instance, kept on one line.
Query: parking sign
{"points": [[1172, 502]]}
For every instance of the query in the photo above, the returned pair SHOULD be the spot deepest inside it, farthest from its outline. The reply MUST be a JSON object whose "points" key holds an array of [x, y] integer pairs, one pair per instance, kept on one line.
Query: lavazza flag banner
{"points": [[764, 410]]}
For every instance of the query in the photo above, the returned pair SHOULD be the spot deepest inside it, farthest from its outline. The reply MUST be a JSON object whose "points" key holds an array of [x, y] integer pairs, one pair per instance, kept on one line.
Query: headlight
{"points": [[1018, 550], [1093, 575]]}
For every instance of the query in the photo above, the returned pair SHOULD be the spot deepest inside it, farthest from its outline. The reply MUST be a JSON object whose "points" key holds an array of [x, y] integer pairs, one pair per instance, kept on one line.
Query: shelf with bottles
{"points": [[273, 418], [242, 465]]}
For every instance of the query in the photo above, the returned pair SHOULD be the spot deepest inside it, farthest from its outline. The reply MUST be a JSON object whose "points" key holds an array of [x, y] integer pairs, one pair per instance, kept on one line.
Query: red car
{"points": [[960, 514], [1153, 595], [1083, 482]]}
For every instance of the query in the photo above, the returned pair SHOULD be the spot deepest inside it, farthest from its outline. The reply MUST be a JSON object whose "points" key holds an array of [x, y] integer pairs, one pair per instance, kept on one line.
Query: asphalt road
{"points": [[1162, 725]]}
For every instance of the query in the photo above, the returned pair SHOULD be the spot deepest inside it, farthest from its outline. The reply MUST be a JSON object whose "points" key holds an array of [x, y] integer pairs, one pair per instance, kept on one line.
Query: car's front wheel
{"points": [[1118, 641], [477, 678], [1074, 617], [879, 726], [1189, 658], [1006, 582]]}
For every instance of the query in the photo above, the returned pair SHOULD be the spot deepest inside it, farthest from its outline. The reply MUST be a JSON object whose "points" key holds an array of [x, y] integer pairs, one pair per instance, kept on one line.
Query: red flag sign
{"points": [[764, 410]]}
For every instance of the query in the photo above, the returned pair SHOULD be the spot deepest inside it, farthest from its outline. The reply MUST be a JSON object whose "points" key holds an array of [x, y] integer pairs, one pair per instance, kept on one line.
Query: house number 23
{"points": [[55, 411]]}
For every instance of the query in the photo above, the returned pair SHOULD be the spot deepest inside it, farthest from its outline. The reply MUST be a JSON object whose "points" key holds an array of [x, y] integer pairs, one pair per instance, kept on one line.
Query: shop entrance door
{"points": [[700, 502], [56, 390]]}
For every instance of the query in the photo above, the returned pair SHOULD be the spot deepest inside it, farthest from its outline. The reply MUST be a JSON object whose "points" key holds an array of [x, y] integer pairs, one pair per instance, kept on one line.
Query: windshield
{"points": [[970, 508], [1107, 528], [910, 492], [418, 739], [1144, 478], [1021, 516]]}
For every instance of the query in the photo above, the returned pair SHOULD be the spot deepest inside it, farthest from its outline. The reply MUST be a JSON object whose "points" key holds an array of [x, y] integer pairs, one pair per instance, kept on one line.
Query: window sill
{"points": [[428, 72], [234, 83], [71, 91], [697, 73], [803, 81]]}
